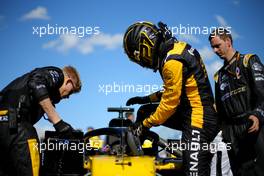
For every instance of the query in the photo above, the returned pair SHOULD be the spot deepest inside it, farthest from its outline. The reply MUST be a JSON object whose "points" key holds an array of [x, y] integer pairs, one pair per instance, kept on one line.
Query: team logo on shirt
{"points": [[238, 75], [257, 67], [223, 86], [55, 75]]}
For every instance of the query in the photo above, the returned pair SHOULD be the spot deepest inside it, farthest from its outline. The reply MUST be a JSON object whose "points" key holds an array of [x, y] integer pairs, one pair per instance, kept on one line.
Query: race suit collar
{"points": [[233, 59]]}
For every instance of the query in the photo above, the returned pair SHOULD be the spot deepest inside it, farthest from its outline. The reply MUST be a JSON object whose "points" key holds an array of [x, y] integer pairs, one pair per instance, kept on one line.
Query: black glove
{"points": [[64, 129], [139, 129], [138, 100]]}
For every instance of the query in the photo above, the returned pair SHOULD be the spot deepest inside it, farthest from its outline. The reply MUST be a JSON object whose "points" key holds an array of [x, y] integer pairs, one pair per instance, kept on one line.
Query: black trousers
{"points": [[195, 142], [247, 149], [19, 154]]}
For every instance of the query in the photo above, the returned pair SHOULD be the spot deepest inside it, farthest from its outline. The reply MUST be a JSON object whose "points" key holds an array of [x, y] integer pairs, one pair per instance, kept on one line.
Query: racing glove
{"points": [[138, 100], [64, 129], [139, 129]]}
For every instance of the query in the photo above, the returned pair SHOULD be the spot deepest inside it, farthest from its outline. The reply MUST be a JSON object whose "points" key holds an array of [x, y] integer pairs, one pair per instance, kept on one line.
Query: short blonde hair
{"points": [[222, 33], [74, 75]]}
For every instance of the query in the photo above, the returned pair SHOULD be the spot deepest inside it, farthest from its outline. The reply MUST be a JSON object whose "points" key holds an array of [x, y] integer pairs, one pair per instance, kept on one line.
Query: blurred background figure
{"points": [[220, 165], [130, 116]]}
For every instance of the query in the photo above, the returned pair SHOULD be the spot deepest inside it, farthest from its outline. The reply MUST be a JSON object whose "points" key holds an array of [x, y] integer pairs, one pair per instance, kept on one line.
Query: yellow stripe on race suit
{"points": [[194, 98], [246, 59], [34, 155], [178, 48], [216, 77], [3, 112], [172, 78]]}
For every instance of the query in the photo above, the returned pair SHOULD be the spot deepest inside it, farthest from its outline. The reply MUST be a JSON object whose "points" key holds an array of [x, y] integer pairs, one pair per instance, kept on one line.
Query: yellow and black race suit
{"points": [[239, 90], [186, 103], [19, 111]]}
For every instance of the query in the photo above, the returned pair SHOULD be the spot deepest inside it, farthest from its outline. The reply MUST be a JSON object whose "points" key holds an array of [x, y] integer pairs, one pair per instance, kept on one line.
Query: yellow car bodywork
{"points": [[121, 166]]}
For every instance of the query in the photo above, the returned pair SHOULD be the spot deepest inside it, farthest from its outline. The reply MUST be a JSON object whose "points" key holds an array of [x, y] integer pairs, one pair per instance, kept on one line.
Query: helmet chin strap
{"points": [[164, 44]]}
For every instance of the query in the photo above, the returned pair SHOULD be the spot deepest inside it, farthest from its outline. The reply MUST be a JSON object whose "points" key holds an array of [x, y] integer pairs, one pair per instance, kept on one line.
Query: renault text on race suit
{"points": [[194, 150]]}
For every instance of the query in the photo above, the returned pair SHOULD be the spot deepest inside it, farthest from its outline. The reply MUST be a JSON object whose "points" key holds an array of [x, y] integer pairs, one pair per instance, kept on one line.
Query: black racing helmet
{"points": [[141, 42]]}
